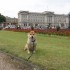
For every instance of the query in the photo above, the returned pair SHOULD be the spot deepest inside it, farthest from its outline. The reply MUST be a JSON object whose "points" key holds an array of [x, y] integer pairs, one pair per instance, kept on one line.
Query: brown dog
{"points": [[31, 43]]}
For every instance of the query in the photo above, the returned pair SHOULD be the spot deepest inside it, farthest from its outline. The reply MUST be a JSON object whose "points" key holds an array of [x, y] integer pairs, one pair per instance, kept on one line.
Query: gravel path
{"points": [[8, 62], [5, 63]]}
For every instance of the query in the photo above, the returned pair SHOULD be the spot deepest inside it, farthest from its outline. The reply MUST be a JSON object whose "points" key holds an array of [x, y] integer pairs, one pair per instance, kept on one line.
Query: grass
{"points": [[53, 52]]}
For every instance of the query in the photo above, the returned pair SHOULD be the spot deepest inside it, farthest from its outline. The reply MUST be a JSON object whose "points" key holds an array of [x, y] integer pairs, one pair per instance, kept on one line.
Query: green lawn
{"points": [[53, 52]]}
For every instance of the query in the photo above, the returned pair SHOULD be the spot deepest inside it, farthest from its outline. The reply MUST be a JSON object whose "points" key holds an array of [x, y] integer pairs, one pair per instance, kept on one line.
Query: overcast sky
{"points": [[12, 7]]}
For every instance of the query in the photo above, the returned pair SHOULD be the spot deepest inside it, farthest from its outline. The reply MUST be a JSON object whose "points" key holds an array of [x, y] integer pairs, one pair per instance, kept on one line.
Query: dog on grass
{"points": [[31, 43]]}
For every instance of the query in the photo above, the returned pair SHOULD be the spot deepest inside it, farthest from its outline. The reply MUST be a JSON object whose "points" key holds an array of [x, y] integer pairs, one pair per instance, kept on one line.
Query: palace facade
{"points": [[42, 20]]}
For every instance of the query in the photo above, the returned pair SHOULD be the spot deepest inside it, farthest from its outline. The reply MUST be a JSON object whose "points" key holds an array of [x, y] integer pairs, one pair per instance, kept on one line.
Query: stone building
{"points": [[42, 20], [10, 20]]}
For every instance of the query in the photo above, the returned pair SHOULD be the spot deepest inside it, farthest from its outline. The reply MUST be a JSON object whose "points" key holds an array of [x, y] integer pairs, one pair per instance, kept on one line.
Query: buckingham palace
{"points": [[42, 19]]}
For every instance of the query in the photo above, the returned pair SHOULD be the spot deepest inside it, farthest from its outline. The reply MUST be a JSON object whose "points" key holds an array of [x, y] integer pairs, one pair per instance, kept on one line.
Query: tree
{"points": [[2, 18]]}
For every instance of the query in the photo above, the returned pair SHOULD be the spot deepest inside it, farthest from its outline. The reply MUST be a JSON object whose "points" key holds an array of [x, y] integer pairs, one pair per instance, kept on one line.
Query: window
{"points": [[25, 24], [62, 25]]}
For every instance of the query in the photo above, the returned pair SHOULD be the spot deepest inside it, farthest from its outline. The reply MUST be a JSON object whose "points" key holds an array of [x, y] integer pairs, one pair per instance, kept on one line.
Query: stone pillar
{"points": [[69, 20]]}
